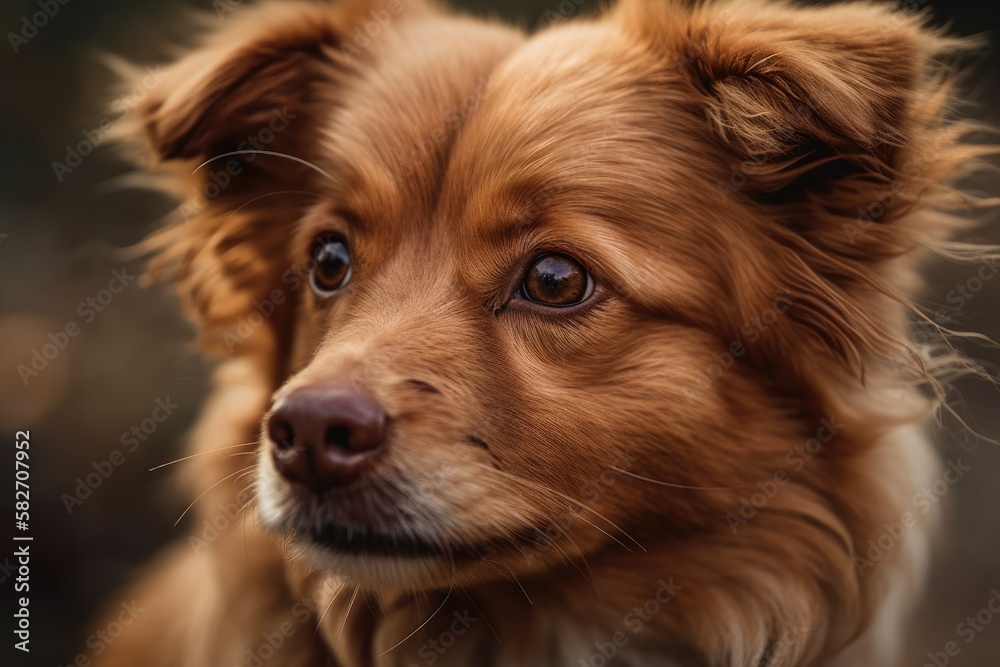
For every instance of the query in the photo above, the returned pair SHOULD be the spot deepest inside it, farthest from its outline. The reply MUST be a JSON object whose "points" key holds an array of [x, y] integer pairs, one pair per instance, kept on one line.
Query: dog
{"points": [[591, 346]]}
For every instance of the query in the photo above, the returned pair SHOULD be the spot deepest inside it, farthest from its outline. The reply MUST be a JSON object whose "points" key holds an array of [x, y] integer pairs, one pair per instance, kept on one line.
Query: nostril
{"points": [[281, 433], [338, 436]]}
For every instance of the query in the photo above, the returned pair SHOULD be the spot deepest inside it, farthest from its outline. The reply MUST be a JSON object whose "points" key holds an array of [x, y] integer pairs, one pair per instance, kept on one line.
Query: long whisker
{"points": [[677, 486], [259, 152], [350, 606], [440, 607], [488, 624], [586, 563], [210, 451], [596, 527], [319, 622], [518, 582], [188, 509]]}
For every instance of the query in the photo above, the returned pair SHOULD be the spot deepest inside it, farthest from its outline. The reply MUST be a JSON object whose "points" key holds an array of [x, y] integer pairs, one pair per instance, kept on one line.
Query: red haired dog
{"points": [[587, 347]]}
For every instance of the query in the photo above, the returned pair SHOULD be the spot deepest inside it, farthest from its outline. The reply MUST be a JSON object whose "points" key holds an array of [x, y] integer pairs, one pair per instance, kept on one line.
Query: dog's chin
{"points": [[363, 553], [382, 569], [396, 559], [387, 560]]}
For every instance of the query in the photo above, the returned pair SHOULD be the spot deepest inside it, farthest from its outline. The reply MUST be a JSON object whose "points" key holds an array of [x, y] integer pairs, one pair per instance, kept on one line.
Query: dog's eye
{"points": [[557, 280], [332, 265]]}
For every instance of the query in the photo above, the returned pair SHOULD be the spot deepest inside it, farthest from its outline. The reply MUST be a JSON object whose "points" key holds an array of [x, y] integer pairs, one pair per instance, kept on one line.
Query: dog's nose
{"points": [[325, 436]]}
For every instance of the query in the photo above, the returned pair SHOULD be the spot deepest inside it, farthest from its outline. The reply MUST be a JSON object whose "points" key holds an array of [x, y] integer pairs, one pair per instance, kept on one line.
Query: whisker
{"points": [[211, 451], [319, 622], [188, 509], [591, 578], [260, 152], [440, 607], [573, 501], [486, 620], [350, 606], [677, 486], [518, 582], [596, 527]]}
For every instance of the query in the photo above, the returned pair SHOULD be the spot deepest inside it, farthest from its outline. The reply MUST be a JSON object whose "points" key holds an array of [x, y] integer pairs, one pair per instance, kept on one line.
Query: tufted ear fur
{"points": [[824, 106], [832, 125], [258, 85]]}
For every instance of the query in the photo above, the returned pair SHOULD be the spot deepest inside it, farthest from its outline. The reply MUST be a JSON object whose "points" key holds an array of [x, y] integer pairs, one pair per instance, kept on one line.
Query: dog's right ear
{"points": [[264, 80], [265, 59]]}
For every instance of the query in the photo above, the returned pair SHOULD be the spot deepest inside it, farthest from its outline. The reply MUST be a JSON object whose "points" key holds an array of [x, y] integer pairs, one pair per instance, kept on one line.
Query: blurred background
{"points": [[110, 349]]}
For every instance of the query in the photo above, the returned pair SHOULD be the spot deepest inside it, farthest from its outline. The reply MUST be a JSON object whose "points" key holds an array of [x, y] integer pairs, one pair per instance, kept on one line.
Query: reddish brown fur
{"points": [[707, 165]]}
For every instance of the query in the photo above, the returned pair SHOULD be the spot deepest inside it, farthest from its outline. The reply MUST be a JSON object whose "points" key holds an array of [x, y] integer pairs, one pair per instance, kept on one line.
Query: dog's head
{"points": [[527, 299]]}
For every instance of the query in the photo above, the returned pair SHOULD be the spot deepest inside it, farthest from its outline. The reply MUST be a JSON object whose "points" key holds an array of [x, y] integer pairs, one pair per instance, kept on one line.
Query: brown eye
{"points": [[557, 280], [331, 265]]}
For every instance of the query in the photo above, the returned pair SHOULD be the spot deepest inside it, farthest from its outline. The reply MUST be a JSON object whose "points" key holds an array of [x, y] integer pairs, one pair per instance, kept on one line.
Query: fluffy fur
{"points": [[687, 471]]}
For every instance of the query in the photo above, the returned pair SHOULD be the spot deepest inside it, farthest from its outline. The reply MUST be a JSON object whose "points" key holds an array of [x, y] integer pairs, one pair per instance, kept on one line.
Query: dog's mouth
{"points": [[370, 542], [366, 541]]}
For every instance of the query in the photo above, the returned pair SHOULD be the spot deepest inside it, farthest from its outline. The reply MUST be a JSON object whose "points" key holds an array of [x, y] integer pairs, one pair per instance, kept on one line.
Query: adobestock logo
{"points": [[433, 649], [796, 460], [131, 439], [94, 137], [607, 651], [228, 516], [30, 25], [100, 640], [88, 310], [967, 630], [965, 291], [923, 501]]}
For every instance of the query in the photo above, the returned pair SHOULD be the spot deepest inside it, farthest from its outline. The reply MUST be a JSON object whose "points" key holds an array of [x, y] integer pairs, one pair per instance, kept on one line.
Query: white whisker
{"points": [[440, 607], [274, 153]]}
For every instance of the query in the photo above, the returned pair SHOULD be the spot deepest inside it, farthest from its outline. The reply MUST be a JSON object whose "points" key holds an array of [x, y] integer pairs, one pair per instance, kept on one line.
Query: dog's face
{"points": [[519, 275], [497, 321]]}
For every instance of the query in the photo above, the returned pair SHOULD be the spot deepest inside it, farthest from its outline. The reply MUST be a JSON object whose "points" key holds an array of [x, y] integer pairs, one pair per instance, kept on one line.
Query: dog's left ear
{"points": [[832, 125], [801, 99], [239, 121]]}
